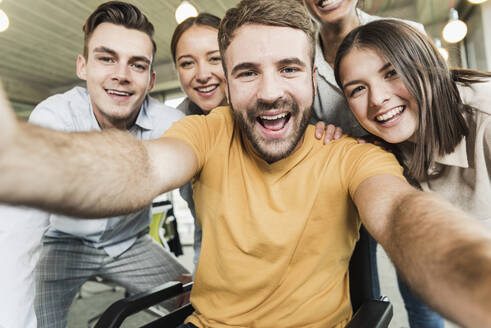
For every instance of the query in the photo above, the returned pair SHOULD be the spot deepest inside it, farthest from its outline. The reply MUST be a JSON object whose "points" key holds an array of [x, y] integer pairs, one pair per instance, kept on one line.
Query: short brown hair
{"points": [[118, 13], [284, 13], [203, 19]]}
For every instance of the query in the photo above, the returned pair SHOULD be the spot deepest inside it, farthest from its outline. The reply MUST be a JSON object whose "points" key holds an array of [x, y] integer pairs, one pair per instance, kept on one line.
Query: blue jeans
{"points": [[419, 315]]}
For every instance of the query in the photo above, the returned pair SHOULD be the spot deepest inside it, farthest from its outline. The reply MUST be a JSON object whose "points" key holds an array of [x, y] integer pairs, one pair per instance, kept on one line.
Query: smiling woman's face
{"points": [[378, 97], [199, 66], [331, 11]]}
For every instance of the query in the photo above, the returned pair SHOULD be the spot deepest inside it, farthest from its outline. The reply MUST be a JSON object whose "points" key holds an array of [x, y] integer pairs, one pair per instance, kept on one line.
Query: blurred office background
{"points": [[40, 41], [40, 46]]}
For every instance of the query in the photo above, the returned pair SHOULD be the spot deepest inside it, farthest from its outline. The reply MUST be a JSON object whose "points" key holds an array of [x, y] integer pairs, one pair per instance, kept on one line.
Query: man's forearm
{"points": [[80, 174], [444, 256]]}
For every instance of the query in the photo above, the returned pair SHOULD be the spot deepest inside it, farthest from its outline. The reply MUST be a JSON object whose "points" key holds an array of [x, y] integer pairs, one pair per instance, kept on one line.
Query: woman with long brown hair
{"points": [[438, 119], [336, 18]]}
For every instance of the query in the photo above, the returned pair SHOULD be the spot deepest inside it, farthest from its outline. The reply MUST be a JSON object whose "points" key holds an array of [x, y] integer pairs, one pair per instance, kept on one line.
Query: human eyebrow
{"points": [[183, 56], [383, 68], [212, 52], [347, 84], [105, 50], [291, 61], [243, 66], [141, 59]]}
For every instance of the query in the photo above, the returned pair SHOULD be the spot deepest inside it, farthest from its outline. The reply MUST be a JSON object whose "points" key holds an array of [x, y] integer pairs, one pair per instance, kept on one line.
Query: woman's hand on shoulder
{"points": [[329, 132]]}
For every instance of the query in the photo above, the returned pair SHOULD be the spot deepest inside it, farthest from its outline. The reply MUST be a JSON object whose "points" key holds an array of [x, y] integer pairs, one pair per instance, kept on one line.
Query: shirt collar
{"points": [[456, 158], [323, 68], [143, 120], [364, 17]]}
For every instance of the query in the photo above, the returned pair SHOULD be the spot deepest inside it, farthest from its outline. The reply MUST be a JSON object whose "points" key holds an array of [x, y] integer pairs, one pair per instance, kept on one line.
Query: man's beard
{"points": [[272, 150]]}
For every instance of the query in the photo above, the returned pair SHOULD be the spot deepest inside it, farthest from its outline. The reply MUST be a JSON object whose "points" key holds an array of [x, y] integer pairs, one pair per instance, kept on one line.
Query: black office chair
{"points": [[368, 311]]}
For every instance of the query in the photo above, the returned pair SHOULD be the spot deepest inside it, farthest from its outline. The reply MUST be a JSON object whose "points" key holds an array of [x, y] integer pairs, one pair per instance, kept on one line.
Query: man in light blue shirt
{"points": [[117, 66]]}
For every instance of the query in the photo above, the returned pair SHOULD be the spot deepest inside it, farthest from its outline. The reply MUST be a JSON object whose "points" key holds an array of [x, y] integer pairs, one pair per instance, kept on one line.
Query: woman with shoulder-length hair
{"points": [[438, 119], [194, 49]]}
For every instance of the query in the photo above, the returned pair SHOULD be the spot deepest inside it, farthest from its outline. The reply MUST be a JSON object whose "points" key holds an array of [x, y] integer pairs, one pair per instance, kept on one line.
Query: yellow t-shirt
{"points": [[277, 238]]}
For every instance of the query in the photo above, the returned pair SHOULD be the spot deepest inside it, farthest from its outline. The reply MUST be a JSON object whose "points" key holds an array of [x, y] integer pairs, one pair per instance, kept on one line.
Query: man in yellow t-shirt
{"points": [[277, 236], [278, 209]]}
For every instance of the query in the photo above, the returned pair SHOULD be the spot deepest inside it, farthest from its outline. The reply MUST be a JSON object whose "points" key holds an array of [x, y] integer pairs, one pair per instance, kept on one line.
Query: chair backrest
{"points": [[163, 227], [361, 272]]}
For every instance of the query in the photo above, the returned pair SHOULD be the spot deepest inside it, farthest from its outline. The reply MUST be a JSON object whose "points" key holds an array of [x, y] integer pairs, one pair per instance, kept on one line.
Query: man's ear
{"points": [[314, 80], [82, 67], [151, 84]]}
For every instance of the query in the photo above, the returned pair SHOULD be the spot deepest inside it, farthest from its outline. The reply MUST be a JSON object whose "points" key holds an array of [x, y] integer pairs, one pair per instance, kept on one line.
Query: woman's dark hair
{"points": [[203, 19], [441, 123]]}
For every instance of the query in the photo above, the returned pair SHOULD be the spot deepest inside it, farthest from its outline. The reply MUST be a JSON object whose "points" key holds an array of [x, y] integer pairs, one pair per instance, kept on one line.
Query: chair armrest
{"points": [[372, 314], [114, 316], [173, 319]]}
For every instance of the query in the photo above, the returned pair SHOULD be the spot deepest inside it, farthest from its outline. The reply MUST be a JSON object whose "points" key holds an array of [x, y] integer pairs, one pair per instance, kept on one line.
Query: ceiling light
{"points": [[185, 10], [444, 53], [441, 50], [455, 30], [4, 21], [471, 1]]}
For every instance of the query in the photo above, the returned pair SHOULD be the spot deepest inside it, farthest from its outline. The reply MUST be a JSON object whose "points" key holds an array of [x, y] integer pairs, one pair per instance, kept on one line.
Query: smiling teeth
{"points": [[327, 3], [390, 114], [118, 93], [275, 117], [207, 89]]}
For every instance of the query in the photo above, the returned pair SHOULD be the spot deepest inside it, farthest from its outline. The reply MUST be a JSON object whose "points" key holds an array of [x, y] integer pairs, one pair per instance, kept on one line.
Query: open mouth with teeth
{"points": [[118, 93], [391, 115], [274, 126], [206, 89], [325, 4]]}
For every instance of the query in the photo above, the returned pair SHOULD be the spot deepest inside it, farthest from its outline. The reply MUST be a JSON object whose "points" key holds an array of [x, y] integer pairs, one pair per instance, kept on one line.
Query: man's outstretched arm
{"points": [[444, 255], [88, 174]]}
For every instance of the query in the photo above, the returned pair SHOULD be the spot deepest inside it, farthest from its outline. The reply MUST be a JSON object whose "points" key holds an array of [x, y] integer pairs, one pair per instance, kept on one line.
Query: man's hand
{"points": [[444, 255], [330, 132], [183, 299]]}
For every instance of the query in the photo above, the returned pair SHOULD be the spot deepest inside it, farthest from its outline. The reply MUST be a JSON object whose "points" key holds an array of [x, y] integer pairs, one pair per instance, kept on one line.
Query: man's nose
{"points": [[270, 88], [121, 73]]}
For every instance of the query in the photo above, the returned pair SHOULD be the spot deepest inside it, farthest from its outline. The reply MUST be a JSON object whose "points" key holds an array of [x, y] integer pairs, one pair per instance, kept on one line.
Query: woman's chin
{"points": [[207, 107], [394, 139]]}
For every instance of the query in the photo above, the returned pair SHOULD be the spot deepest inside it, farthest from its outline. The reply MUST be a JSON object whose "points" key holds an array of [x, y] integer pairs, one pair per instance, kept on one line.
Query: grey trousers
{"points": [[65, 264]]}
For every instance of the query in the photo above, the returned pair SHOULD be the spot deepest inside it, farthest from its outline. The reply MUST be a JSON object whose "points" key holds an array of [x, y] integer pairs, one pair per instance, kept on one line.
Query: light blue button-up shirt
{"points": [[72, 111]]}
